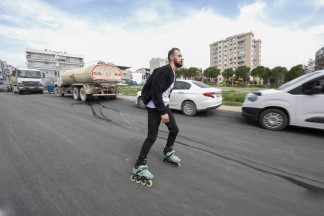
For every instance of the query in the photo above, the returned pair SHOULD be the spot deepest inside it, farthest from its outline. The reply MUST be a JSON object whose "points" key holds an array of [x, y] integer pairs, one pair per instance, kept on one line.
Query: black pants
{"points": [[154, 120]]}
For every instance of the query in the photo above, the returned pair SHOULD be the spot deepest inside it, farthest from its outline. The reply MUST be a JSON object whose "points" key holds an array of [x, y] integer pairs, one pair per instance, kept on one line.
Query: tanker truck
{"points": [[83, 83]]}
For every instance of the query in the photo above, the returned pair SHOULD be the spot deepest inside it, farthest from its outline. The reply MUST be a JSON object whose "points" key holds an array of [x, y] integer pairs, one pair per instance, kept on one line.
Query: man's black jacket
{"points": [[159, 81]]}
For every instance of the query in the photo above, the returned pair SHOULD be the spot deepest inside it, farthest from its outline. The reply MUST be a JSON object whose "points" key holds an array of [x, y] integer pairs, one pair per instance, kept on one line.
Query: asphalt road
{"points": [[62, 157]]}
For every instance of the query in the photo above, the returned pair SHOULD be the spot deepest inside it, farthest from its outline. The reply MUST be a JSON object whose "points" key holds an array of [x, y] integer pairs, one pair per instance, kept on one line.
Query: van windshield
{"points": [[29, 74], [292, 82]]}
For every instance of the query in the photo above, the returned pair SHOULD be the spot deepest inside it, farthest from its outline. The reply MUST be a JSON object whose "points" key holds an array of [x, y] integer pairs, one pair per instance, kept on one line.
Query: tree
{"points": [[212, 72], [310, 66], [192, 72], [242, 72], [294, 72], [266, 75], [181, 72], [278, 74], [228, 73], [258, 71]]}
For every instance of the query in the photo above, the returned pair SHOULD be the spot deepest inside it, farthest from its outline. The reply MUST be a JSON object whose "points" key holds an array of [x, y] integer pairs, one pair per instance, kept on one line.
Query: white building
{"points": [[136, 77], [51, 62], [145, 73], [157, 62]]}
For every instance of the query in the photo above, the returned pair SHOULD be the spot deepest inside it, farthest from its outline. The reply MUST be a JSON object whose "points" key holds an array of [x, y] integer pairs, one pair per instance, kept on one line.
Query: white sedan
{"points": [[190, 96]]}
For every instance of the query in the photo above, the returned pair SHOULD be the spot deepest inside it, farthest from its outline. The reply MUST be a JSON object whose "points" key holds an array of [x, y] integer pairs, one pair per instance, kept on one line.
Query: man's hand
{"points": [[165, 118]]}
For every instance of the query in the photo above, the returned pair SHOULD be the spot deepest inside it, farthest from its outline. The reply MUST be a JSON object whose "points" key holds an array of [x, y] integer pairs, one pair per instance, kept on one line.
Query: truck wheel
{"points": [[20, 92], [76, 93], [57, 92], [273, 119], [83, 95]]}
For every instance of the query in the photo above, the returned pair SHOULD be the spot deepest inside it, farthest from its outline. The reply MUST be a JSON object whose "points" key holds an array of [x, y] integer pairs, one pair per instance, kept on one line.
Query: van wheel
{"points": [[273, 119], [76, 93], [189, 108]]}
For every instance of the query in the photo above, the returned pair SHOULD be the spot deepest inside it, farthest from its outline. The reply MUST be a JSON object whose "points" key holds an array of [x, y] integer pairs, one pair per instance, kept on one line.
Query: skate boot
{"points": [[170, 157], [141, 174]]}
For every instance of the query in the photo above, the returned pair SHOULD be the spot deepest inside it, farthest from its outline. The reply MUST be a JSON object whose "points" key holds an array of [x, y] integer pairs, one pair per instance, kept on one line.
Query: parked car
{"points": [[190, 96], [299, 102]]}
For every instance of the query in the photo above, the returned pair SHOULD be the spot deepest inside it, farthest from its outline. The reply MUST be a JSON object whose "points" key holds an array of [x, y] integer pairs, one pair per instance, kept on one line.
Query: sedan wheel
{"points": [[273, 119], [189, 108], [140, 103]]}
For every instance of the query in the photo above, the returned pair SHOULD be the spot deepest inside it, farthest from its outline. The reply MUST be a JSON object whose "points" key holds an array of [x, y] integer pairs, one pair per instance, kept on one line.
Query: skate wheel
{"points": [[138, 181], [143, 182], [132, 178], [149, 183]]}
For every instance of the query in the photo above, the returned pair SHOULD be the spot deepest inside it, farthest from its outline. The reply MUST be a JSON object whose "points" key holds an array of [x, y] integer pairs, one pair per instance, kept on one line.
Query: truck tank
{"points": [[94, 73], [96, 80]]}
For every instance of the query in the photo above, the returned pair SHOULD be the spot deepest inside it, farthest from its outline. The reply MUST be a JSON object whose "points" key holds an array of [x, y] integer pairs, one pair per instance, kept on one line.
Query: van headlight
{"points": [[252, 98]]}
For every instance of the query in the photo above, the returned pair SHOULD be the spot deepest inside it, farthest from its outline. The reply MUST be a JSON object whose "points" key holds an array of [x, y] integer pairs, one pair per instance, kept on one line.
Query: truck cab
{"points": [[299, 102], [27, 80]]}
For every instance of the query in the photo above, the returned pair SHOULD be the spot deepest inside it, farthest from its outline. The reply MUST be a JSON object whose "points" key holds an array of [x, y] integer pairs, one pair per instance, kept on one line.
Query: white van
{"points": [[299, 102]]}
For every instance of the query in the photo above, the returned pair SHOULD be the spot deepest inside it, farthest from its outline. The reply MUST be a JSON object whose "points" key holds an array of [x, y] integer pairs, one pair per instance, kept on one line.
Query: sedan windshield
{"points": [[29, 74]]}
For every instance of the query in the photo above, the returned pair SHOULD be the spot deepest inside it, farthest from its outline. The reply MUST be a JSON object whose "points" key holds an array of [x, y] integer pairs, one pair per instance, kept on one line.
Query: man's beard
{"points": [[178, 64]]}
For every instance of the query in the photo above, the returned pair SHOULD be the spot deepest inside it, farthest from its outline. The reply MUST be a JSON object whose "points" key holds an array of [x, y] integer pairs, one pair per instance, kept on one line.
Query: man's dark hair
{"points": [[171, 52]]}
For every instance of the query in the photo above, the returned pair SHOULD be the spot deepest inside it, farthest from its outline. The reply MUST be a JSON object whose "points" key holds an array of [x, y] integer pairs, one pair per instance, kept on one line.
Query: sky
{"points": [[132, 32]]}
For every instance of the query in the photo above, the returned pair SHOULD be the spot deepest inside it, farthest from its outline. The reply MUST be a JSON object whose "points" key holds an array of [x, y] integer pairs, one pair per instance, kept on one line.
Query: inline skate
{"points": [[141, 175], [170, 157]]}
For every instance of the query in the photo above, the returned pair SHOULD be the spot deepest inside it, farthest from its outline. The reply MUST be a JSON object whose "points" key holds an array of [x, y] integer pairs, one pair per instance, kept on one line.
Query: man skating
{"points": [[156, 95]]}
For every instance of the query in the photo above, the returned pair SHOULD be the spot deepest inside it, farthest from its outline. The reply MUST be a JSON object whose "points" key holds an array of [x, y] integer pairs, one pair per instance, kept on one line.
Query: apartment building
{"points": [[235, 51], [51, 62], [157, 62], [319, 59]]}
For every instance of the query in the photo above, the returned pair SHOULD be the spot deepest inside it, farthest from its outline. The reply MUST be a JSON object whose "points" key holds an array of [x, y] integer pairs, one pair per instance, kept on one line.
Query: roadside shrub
{"points": [[129, 90], [233, 97]]}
